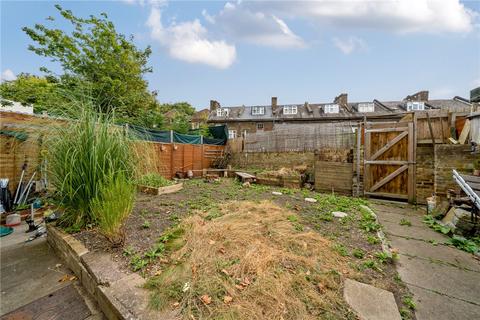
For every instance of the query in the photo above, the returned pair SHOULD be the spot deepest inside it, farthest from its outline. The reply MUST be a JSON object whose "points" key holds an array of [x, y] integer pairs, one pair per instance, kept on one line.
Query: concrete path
{"points": [[445, 281], [31, 282]]}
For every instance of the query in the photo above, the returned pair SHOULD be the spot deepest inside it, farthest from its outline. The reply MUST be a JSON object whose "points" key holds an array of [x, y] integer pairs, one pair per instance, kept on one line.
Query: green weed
{"points": [[405, 222]]}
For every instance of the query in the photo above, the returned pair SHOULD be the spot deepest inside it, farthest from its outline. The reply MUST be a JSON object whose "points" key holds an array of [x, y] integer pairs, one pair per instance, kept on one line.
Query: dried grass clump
{"points": [[251, 263]]}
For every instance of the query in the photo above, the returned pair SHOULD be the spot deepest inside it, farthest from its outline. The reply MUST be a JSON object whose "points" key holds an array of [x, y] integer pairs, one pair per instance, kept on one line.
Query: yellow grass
{"points": [[251, 263]]}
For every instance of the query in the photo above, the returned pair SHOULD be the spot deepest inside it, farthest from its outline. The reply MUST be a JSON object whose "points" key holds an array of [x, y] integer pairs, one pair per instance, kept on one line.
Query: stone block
{"points": [[102, 268], [369, 302]]}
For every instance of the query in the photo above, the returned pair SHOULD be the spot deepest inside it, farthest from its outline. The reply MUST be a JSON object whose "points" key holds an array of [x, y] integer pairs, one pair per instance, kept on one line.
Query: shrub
{"points": [[112, 207], [154, 180], [86, 157]]}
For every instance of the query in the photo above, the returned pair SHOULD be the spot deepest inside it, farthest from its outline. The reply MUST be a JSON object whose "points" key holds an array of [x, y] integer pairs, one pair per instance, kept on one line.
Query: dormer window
{"points": [[331, 108], [258, 111], [366, 107], [222, 112], [290, 110], [415, 106]]}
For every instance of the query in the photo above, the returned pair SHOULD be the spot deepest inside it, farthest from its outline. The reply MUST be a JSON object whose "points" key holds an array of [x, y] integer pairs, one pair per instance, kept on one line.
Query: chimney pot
{"points": [[214, 105], [341, 99]]}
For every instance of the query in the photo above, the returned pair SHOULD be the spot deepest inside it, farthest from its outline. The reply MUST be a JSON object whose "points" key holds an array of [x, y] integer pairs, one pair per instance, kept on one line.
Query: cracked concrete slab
{"points": [[413, 232], [443, 280], [431, 305], [446, 254]]}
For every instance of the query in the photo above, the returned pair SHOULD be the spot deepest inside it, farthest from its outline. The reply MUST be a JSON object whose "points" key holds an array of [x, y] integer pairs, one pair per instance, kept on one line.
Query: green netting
{"points": [[15, 134], [219, 133]]}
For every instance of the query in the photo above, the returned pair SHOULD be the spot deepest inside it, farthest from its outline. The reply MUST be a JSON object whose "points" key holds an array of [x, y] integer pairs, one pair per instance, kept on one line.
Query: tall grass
{"points": [[113, 206], [84, 156]]}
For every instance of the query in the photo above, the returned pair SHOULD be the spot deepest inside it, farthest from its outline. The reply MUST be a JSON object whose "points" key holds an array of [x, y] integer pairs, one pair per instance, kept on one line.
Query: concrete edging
{"points": [[386, 247], [119, 295]]}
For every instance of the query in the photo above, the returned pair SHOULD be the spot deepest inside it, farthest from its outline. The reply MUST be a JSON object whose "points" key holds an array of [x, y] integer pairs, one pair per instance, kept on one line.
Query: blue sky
{"points": [[243, 52]]}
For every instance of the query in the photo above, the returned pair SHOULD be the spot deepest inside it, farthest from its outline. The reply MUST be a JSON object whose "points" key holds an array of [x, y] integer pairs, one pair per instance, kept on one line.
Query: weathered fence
{"points": [[299, 137], [22, 139]]}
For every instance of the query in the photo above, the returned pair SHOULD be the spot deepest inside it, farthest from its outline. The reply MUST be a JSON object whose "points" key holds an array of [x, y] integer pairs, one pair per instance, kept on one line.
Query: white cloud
{"points": [[208, 18], [258, 27], [7, 75], [350, 44], [402, 16], [188, 41]]}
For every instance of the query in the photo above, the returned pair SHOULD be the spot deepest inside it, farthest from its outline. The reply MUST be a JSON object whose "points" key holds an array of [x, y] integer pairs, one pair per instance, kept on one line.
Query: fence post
{"points": [[171, 136], [201, 139]]}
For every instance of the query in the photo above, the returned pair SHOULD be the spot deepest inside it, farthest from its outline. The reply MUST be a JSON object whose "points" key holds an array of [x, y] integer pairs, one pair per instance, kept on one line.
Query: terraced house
{"points": [[242, 120]]}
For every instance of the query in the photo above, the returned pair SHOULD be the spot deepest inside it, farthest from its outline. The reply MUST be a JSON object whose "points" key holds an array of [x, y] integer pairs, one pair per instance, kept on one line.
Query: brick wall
{"points": [[448, 157], [425, 176], [272, 160]]}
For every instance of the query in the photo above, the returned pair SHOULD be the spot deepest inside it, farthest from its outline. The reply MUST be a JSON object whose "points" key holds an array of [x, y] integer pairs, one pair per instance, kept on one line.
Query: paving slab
{"points": [[47, 307], [444, 279], [28, 270], [369, 302], [396, 217], [431, 305], [413, 232], [443, 253]]}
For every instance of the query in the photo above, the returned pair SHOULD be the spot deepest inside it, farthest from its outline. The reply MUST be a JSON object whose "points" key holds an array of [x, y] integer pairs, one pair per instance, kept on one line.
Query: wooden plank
{"points": [[387, 129], [411, 161], [465, 131], [388, 178], [430, 128], [359, 142], [366, 156], [387, 195], [388, 162], [389, 145]]}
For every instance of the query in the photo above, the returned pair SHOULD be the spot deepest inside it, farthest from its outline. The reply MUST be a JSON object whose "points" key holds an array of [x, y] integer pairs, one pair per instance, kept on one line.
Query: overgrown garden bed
{"points": [[222, 250]]}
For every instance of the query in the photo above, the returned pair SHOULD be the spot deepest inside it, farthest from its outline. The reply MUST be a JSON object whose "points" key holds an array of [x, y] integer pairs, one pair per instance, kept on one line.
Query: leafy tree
{"points": [[96, 56], [41, 92]]}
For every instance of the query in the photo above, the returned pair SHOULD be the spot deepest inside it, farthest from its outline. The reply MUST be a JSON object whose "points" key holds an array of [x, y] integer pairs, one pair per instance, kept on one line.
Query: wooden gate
{"points": [[389, 164]]}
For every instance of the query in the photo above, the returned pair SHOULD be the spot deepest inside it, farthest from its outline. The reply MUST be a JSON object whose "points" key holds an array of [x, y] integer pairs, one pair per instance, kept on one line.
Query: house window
{"points": [[331, 108], [232, 134], [290, 110], [366, 107], [414, 106], [259, 126], [222, 112], [257, 111]]}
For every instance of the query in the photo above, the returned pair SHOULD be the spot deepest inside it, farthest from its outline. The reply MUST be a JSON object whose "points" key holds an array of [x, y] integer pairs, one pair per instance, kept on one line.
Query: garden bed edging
{"points": [[161, 190], [119, 295]]}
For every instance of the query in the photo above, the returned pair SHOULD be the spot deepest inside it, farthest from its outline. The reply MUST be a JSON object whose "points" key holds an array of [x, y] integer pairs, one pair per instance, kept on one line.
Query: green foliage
{"points": [[464, 244], [408, 301], [358, 253], [435, 225], [371, 264], [146, 224], [138, 263], [112, 206], [154, 180], [41, 92], [340, 248], [96, 54], [383, 257], [128, 251], [405, 222], [372, 239], [85, 158]]}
